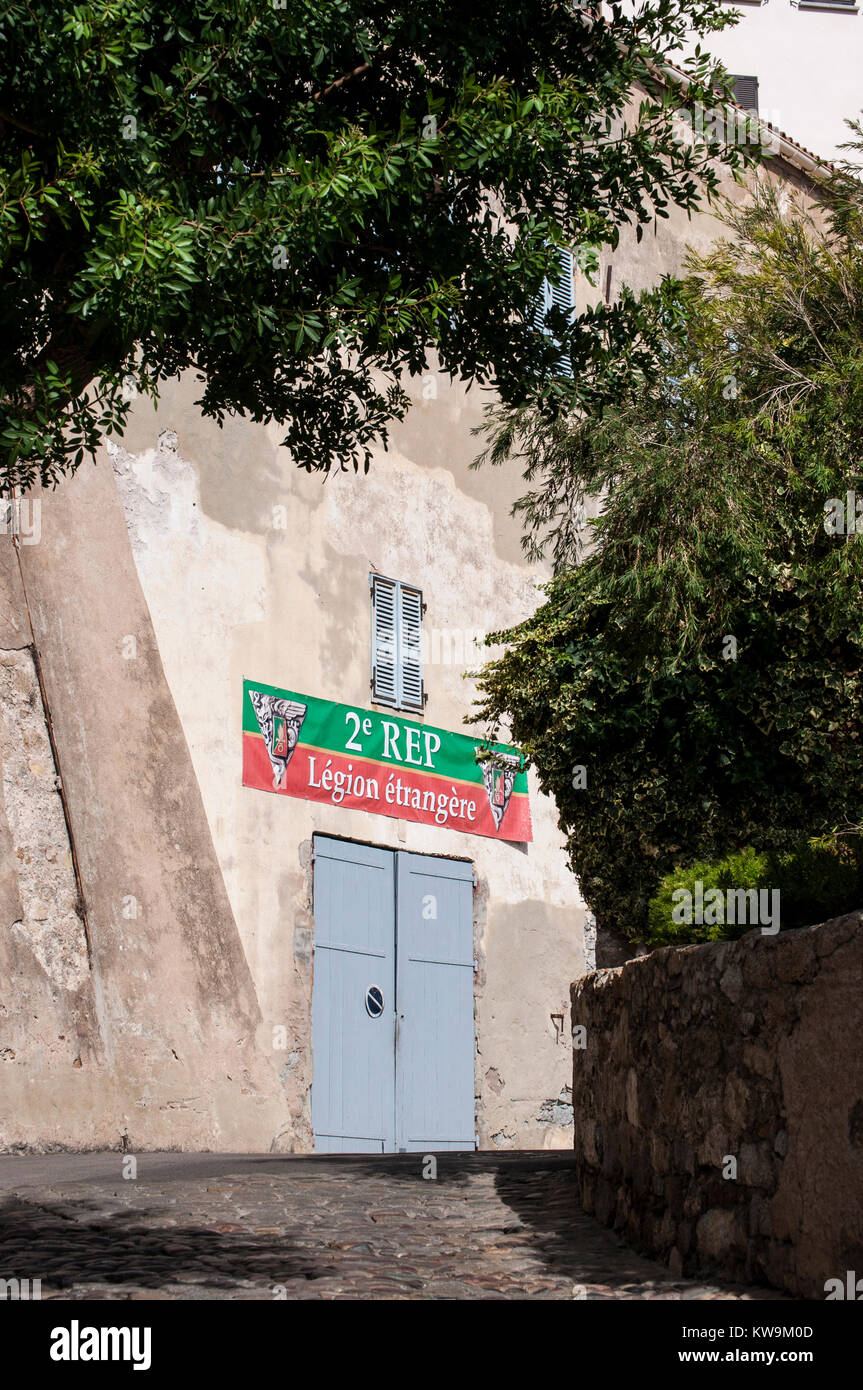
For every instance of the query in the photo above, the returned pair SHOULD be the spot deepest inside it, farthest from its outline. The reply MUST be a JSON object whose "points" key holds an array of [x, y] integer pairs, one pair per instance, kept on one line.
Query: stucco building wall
{"points": [[48, 1030], [252, 569], [155, 1043], [807, 57], [179, 938], [667, 242]]}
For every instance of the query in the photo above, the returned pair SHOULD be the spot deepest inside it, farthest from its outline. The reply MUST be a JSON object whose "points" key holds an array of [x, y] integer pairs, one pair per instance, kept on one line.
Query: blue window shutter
{"points": [[397, 662], [410, 652], [542, 304], [558, 293], [563, 289], [384, 640]]}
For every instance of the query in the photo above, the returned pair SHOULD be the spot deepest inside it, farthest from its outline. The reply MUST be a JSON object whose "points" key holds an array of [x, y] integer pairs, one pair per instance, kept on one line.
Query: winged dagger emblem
{"points": [[498, 775], [280, 722]]}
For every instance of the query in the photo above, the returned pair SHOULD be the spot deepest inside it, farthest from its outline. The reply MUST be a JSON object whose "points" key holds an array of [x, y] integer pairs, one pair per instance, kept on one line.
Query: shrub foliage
{"points": [[813, 883], [702, 657]]}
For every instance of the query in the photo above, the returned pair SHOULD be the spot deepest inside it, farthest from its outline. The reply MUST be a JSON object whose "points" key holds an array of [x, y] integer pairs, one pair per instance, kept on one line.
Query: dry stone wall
{"points": [[718, 1103]]}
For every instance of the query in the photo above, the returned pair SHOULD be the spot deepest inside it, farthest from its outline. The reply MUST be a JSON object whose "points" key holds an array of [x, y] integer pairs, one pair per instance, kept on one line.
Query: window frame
{"points": [[549, 297], [747, 77], [399, 700]]}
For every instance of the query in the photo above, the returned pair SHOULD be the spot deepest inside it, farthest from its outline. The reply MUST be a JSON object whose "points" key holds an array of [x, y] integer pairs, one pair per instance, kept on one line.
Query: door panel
{"points": [[353, 1091], [404, 1079], [435, 1056]]}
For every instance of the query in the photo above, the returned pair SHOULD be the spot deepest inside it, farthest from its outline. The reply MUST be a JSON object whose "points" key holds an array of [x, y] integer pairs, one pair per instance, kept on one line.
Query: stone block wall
{"points": [[718, 1104]]}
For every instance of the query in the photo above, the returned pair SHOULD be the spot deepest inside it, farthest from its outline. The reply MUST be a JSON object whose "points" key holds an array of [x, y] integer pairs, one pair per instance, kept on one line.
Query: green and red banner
{"points": [[366, 760]]}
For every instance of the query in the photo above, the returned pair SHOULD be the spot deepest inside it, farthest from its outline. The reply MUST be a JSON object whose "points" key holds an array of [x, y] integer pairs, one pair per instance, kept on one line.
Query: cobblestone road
{"points": [[226, 1227]]}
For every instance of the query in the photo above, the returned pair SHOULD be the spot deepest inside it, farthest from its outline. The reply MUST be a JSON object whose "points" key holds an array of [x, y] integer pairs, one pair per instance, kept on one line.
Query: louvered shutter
{"points": [[397, 663], [563, 296], [558, 293], [746, 92], [384, 640], [541, 306], [410, 656]]}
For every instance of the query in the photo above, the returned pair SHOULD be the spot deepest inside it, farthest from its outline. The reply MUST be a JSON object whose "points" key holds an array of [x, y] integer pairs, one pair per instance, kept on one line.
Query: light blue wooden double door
{"points": [[392, 1002]]}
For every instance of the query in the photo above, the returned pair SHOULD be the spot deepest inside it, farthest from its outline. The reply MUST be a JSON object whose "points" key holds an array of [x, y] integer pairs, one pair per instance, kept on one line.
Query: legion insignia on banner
{"points": [[498, 775], [280, 722]]}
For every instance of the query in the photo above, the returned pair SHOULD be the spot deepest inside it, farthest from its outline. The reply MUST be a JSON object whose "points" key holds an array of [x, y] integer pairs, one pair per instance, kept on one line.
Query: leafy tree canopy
{"points": [[303, 200], [695, 685]]}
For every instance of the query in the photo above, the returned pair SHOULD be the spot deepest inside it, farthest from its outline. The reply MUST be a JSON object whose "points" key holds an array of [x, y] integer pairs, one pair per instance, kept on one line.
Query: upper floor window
{"points": [[397, 651], [557, 293], [746, 92]]}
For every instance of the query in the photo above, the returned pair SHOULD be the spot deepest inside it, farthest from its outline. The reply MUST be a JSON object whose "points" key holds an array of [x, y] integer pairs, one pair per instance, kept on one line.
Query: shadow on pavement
{"points": [[525, 1201], [59, 1246]]}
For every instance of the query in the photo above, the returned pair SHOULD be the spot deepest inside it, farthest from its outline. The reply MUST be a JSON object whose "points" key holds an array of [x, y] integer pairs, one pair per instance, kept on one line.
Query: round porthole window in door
{"points": [[374, 1002]]}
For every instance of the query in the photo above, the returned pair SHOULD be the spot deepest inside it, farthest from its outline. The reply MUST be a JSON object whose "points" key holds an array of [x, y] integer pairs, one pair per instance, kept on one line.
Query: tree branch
{"points": [[340, 81], [22, 125]]}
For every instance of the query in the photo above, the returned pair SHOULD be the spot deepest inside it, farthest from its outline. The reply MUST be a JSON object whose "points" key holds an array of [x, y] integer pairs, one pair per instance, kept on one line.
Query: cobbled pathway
{"points": [[209, 1226]]}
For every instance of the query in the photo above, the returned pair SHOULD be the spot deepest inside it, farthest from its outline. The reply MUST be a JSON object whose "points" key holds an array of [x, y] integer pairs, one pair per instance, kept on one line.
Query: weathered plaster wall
{"points": [[667, 242], [49, 1042], [732, 1056], [160, 1018], [141, 1009], [252, 569]]}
